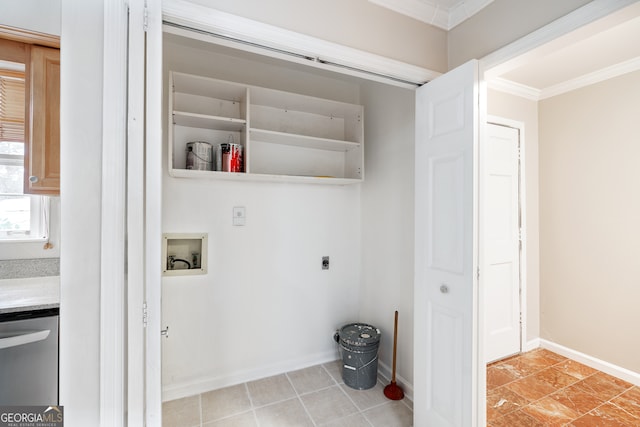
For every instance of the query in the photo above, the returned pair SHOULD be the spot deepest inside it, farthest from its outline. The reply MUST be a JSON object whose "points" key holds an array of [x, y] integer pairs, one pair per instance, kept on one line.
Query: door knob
{"points": [[33, 179], [444, 289]]}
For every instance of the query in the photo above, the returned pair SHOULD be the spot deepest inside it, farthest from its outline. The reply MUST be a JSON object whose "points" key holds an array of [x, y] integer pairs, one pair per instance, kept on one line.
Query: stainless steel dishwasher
{"points": [[29, 357]]}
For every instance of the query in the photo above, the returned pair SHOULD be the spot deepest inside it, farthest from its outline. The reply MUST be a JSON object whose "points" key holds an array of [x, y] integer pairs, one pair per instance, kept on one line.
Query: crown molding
{"points": [[531, 93], [592, 78], [513, 88], [432, 14], [29, 37]]}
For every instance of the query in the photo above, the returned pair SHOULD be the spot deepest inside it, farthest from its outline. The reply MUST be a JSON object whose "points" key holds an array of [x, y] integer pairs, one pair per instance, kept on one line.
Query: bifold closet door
{"points": [[445, 322]]}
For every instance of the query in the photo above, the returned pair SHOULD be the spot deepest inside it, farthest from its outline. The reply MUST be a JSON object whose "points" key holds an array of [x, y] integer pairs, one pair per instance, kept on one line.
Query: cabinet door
{"points": [[42, 133]]}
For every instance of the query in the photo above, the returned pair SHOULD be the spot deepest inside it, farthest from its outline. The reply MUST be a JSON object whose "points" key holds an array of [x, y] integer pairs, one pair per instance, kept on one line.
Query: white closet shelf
{"points": [[183, 118], [283, 138], [256, 177], [207, 87], [287, 137]]}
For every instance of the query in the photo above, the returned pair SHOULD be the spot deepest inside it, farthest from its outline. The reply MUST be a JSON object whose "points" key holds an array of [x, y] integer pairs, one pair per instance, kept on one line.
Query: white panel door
{"points": [[501, 242], [445, 345]]}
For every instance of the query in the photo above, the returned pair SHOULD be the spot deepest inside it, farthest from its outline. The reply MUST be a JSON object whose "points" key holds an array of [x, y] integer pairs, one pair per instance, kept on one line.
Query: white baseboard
{"points": [[585, 359], [201, 385], [204, 384], [384, 375], [531, 345]]}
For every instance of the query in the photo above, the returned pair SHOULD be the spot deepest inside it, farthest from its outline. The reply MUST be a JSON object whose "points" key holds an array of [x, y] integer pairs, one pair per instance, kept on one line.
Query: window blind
{"points": [[12, 99]]}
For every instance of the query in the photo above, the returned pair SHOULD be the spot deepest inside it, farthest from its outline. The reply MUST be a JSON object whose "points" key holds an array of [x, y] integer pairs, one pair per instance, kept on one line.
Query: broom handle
{"points": [[395, 345]]}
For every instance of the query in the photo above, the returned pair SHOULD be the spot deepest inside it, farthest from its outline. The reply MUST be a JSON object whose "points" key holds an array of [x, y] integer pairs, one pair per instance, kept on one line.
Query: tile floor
{"points": [[541, 388], [314, 396], [535, 389]]}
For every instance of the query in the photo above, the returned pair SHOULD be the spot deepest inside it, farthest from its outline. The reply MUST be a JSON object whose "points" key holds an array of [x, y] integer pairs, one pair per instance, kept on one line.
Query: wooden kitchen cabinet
{"points": [[42, 124]]}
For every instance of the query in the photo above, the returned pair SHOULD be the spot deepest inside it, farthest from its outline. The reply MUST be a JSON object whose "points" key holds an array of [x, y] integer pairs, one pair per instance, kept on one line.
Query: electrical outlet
{"points": [[239, 215], [325, 262]]}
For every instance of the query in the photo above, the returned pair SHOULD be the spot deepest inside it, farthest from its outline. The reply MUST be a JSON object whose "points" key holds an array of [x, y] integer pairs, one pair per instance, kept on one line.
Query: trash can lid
{"points": [[359, 334]]}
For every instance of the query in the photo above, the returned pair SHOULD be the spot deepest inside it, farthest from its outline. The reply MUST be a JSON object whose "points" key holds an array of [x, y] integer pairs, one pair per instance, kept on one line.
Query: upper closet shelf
{"points": [[257, 177], [205, 121], [261, 134], [296, 140]]}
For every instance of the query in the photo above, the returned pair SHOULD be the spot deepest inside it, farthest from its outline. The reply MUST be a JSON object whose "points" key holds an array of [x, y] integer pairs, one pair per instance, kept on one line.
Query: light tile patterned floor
{"points": [[314, 397], [541, 388]]}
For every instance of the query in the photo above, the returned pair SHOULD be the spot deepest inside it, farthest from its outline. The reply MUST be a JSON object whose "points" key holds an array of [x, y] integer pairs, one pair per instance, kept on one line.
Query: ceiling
{"points": [[444, 14], [604, 49]]}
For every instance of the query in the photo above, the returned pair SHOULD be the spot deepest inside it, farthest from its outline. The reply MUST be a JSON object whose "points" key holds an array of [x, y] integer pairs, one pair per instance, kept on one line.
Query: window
{"points": [[22, 217]]}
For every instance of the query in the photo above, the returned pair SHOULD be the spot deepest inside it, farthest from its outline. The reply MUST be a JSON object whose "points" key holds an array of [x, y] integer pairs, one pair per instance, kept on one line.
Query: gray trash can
{"points": [[358, 344]]}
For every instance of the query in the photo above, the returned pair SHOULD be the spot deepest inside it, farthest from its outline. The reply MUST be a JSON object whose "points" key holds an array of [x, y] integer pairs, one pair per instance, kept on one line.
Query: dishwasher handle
{"points": [[25, 338]]}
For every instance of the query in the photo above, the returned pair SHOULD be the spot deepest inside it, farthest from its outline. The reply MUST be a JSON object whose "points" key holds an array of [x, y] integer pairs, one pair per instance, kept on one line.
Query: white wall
{"points": [[387, 221], [265, 306], [36, 15], [80, 151]]}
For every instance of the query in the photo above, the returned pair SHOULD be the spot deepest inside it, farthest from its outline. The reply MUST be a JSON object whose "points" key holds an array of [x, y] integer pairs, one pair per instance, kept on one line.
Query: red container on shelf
{"points": [[230, 158]]}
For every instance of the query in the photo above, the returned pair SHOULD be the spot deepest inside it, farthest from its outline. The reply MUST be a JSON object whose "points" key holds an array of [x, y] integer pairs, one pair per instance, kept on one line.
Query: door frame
{"points": [[144, 181], [152, 23], [522, 208], [113, 278], [130, 371], [510, 56], [136, 340], [501, 57]]}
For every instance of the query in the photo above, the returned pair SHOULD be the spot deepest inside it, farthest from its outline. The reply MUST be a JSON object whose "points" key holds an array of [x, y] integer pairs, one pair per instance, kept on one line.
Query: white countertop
{"points": [[33, 293]]}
